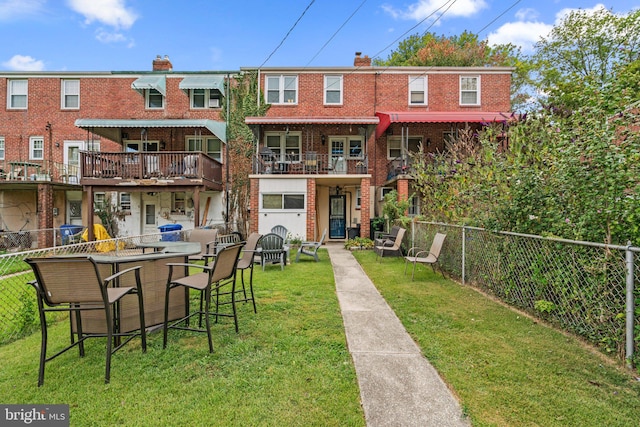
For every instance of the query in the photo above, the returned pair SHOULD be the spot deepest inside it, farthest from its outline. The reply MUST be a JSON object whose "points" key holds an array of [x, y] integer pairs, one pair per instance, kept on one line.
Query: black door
{"points": [[337, 217]]}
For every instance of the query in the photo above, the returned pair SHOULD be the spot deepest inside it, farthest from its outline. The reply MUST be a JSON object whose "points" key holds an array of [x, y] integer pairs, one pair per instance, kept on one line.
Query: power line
{"points": [[336, 32], [288, 32]]}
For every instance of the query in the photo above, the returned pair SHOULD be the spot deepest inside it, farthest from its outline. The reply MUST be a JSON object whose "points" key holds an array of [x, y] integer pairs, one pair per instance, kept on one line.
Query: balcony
{"points": [[149, 168], [32, 171], [309, 163]]}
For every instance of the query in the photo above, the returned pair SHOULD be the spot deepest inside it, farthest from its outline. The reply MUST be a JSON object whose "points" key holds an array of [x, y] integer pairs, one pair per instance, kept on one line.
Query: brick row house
{"points": [[336, 139], [153, 144]]}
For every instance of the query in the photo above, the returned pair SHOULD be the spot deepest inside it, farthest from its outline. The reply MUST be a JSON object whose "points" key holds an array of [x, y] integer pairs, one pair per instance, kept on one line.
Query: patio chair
{"points": [[246, 262], [395, 249], [191, 165], [311, 248], [383, 239], [74, 284], [416, 255], [272, 250], [207, 239], [213, 277]]}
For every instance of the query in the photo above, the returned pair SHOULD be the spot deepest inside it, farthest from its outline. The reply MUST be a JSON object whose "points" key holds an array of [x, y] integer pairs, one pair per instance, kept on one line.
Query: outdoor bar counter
{"points": [[153, 276]]}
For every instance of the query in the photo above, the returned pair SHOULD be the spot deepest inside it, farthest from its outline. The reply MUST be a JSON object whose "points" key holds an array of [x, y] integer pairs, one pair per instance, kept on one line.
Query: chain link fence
{"points": [[18, 310], [584, 288]]}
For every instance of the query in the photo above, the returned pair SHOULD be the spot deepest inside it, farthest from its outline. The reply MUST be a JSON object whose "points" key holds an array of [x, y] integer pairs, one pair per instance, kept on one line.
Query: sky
{"points": [[215, 35]]}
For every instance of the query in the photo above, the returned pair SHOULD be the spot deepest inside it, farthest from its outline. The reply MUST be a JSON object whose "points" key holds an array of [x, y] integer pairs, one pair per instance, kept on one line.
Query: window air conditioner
{"points": [[214, 103], [384, 191]]}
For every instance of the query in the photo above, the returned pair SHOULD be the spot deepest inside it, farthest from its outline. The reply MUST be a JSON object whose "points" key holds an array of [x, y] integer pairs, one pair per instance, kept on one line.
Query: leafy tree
{"points": [[465, 50], [583, 52]]}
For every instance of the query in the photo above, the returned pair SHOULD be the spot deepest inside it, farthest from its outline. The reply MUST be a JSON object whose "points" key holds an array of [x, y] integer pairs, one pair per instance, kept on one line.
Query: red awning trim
{"points": [[311, 120], [386, 118]]}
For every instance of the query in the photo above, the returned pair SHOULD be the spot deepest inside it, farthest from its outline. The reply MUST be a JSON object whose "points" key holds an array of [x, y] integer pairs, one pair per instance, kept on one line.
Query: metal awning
{"points": [[111, 128], [208, 81], [318, 120], [386, 118], [151, 81]]}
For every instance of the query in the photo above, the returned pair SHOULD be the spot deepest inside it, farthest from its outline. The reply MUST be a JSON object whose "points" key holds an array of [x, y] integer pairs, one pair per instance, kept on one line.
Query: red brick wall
{"points": [[105, 96], [311, 210]]}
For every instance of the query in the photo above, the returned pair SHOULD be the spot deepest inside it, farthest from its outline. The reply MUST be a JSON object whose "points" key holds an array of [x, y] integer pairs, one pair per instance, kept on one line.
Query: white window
{"points": [[125, 202], [283, 201], [395, 147], [285, 146], [178, 202], [1, 147], [93, 146], [469, 90], [417, 90], [333, 90], [206, 144], [414, 206], [17, 94], [70, 96], [205, 98], [282, 89], [358, 197], [99, 201], [356, 148], [154, 99], [36, 148]]}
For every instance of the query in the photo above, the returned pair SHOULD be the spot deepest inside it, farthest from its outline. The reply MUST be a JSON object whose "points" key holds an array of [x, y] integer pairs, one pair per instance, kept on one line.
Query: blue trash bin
{"points": [[167, 236], [68, 230]]}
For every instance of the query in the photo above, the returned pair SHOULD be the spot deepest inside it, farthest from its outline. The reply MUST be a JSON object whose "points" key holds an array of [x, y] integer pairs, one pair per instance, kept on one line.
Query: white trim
{"points": [[418, 84], [64, 91], [326, 89], [32, 140], [477, 90], [11, 92], [147, 93], [282, 78]]}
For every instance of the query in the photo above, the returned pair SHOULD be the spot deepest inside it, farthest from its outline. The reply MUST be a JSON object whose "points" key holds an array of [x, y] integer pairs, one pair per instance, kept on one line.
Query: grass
{"points": [[289, 365], [506, 368]]}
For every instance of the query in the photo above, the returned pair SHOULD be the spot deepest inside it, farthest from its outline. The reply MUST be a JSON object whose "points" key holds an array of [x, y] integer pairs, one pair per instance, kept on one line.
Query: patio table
{"points": [[153, 275]]}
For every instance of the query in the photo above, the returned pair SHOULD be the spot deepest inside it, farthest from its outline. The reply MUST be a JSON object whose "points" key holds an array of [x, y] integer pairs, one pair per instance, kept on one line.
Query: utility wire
{"points": [[288, 32], [336, 33]]}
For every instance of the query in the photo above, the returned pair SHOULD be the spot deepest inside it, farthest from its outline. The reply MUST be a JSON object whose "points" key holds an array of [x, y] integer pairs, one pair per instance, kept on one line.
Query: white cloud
{"points": [[108, 37], [113, 13], [23, 63], [425, 8], [12, 9], [523, 34]]}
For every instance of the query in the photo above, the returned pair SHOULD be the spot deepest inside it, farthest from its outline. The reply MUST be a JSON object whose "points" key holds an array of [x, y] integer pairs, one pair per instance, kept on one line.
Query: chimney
{"points": [[162, 64], [361, 62]]}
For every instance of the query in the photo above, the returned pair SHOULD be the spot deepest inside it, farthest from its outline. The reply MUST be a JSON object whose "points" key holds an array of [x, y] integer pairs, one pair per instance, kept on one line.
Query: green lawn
{"points": [[507, 369], [288, 366]]}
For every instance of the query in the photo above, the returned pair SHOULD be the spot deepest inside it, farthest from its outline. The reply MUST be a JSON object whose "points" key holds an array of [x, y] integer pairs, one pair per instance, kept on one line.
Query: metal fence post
{"points": [[464, 240], [630, 307]]}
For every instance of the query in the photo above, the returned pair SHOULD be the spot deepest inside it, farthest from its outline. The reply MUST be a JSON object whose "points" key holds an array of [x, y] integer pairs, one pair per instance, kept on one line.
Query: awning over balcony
{"points": [[201, 81], [318, 120], [386, 118], [112, 128], [151, 81]]}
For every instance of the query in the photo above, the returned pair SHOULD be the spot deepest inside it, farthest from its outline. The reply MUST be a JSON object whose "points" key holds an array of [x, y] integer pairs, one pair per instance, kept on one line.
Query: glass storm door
{"points": [[337, 217]]}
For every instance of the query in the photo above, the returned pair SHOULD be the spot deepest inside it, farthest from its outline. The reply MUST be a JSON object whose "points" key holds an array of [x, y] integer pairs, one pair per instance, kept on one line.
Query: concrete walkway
{"points": [[398, 386]]}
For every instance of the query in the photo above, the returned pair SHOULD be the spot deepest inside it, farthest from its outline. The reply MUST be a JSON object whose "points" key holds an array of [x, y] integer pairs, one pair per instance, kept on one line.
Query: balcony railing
{"points": [[25, 170], [308, 163], [150, 165]]}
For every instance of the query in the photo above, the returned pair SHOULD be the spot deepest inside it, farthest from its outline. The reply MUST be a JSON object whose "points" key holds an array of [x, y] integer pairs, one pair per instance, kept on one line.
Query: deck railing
{"points": [[27, 170], [308, 163], [146, 165]]}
